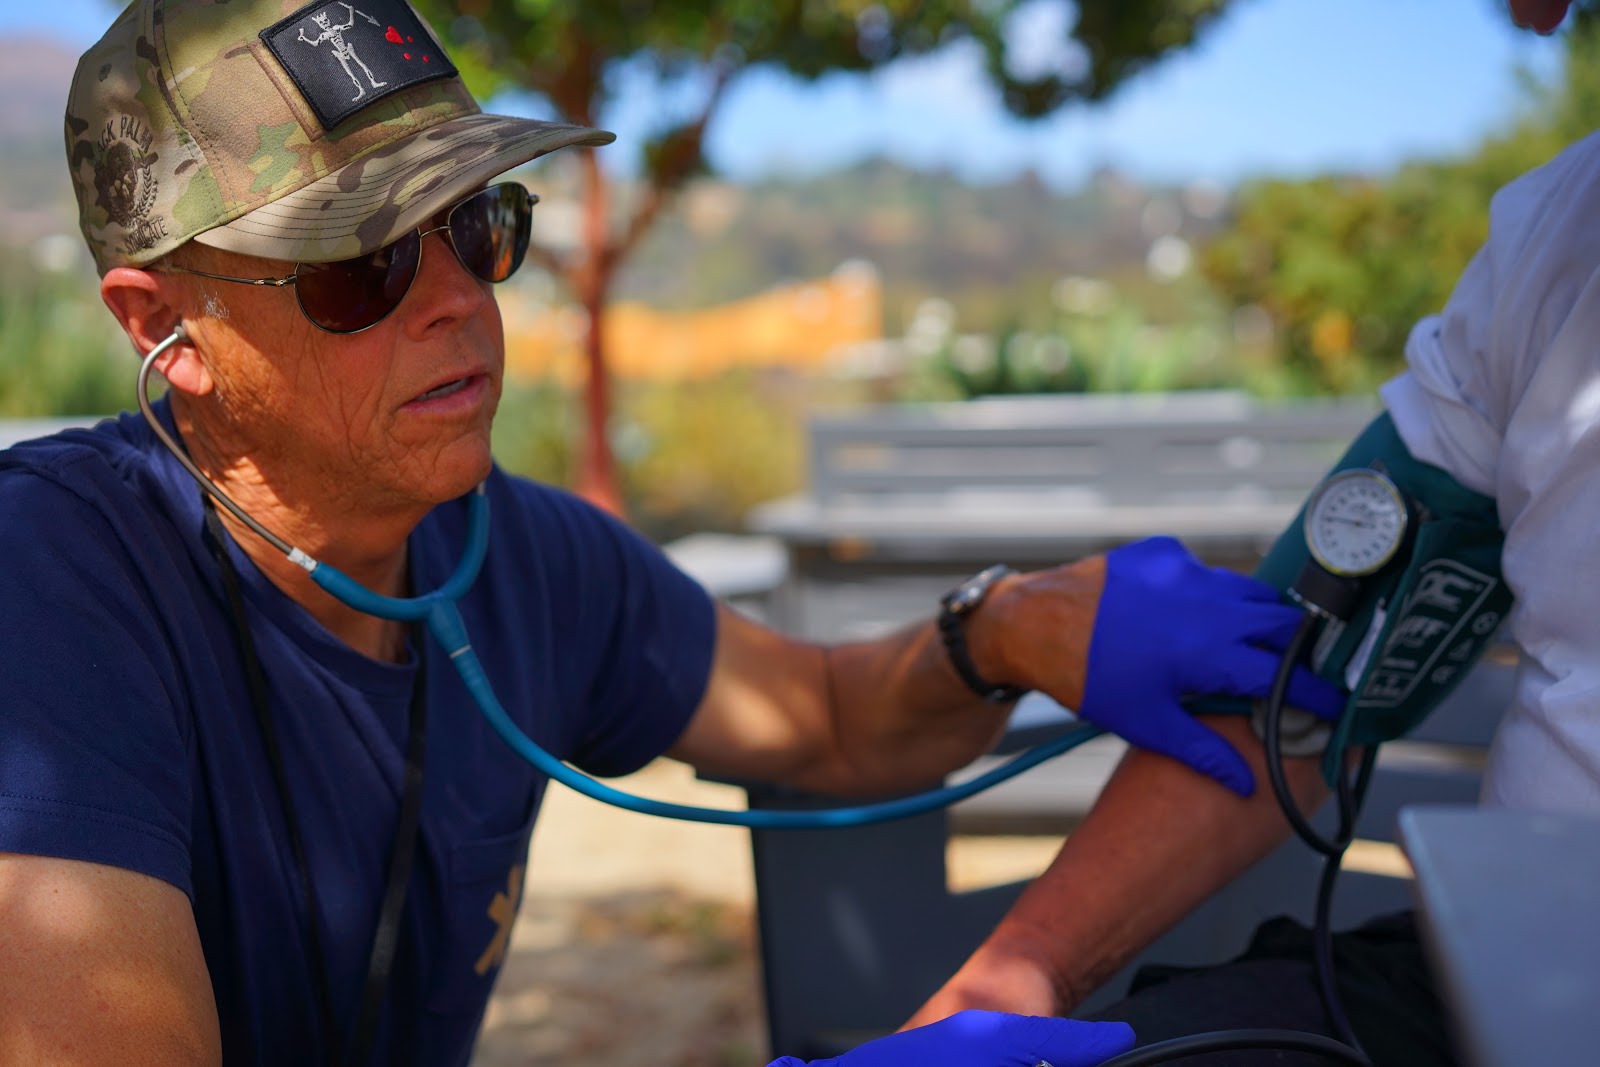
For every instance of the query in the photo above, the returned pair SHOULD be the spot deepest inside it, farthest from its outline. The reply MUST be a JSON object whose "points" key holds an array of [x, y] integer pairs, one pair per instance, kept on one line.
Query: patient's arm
{"points": [[1159, 841]]}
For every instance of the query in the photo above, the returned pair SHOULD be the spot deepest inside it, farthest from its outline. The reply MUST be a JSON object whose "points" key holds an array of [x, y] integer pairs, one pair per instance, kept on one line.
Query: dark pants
{"points": [[1383, 979]]}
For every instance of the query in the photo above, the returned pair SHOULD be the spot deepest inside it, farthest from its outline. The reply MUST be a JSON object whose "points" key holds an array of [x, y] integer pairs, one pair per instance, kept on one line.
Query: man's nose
{"points": [[444, 291]]}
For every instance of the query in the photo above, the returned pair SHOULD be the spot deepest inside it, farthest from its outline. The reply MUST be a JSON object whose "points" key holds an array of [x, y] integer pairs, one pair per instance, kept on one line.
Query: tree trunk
{"points": [[597, 479]]}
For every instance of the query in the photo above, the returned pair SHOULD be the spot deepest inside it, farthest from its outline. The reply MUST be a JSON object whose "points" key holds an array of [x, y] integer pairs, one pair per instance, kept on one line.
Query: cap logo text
{"points": [[124, 183]]}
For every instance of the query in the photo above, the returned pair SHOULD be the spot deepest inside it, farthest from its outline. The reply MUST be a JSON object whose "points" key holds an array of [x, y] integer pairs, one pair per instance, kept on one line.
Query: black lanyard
{"points": [[401, 857]]}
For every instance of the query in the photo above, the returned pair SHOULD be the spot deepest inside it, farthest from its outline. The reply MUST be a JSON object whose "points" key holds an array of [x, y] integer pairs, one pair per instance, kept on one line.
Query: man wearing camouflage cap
{"points": [[240, 818]]}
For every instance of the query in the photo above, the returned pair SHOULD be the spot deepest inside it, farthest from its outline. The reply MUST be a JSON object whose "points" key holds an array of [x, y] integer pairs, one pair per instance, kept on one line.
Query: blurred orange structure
{"points": [[802, 326]]}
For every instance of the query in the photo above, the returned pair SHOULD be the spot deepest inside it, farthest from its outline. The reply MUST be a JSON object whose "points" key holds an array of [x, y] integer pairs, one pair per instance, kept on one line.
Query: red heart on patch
{"points": [[393, 36]]}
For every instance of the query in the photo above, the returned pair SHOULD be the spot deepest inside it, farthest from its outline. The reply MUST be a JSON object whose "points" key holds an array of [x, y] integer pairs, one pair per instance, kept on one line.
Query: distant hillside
{"points": [[34, 75], [995, 249]]}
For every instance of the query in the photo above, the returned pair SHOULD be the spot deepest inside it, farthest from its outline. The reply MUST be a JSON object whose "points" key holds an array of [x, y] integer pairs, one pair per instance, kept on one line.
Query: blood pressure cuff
{"points": [[1423, 621]]}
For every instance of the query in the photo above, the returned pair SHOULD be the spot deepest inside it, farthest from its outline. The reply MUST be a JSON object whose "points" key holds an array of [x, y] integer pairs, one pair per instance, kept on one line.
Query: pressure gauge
{"points": [[1355, 522]]}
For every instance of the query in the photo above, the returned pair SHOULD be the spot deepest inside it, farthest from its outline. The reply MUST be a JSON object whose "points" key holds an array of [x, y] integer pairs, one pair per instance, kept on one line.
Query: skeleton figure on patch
{"points": [[343, 51]]}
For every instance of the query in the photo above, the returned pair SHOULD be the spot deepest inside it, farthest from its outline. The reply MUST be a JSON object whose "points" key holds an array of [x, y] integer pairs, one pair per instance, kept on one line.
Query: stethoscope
{"points": [[438, 611]]}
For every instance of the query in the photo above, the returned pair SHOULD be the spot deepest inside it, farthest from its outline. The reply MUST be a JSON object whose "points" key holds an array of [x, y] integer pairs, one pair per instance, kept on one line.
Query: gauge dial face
{"points": [[1355, 523]]}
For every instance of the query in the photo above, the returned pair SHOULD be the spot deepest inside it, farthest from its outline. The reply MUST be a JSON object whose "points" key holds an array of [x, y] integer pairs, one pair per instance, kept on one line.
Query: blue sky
{"points": [[1280, 86]]}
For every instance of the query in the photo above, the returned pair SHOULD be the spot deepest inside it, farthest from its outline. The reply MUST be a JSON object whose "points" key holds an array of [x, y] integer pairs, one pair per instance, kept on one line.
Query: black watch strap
{"points": [[955, 607]]}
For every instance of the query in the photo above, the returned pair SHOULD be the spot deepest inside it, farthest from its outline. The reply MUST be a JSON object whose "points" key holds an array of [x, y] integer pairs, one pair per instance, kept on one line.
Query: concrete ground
{"points": [[635, 943]]}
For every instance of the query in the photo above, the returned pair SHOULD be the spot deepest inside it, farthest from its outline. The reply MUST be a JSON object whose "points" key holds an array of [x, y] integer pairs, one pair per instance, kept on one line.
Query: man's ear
{"points": [[148, 307]]}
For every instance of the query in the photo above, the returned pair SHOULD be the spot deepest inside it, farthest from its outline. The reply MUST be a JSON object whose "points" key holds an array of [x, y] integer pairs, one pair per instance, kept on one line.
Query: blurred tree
{"points": [[1344, 265], [570, 51]]}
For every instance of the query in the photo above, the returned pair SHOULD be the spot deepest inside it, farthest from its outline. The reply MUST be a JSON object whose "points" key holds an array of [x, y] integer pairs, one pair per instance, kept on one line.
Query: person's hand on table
{"points": [[988, 1039]]}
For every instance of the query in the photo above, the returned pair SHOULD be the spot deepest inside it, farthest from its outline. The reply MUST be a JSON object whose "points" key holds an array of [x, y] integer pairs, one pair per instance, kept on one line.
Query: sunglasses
{"points": [[488, 232]]}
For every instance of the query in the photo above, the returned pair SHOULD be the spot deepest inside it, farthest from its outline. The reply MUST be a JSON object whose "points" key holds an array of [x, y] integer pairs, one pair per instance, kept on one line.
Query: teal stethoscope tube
{"points": [[438, 610], [444, 623]]}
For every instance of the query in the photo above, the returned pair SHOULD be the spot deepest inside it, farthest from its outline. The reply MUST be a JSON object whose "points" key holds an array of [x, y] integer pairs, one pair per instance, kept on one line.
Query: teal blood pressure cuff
{"points": [[1424, 620]]}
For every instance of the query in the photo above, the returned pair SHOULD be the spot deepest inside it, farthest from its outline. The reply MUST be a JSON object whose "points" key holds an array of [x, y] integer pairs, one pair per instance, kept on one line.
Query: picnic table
{"points": [[1507, 903]]}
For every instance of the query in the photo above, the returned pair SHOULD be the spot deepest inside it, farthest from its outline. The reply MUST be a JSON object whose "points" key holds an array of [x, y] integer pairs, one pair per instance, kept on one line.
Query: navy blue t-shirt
{"points": [[127, 735]]}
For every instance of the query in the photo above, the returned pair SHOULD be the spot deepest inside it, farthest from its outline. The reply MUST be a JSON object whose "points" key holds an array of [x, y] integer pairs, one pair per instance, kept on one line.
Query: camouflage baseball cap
{"points": [[309, 132]]}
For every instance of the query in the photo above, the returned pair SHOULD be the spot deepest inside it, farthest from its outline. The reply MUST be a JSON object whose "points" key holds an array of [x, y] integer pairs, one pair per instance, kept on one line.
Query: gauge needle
{"points": [[1348, 522]]}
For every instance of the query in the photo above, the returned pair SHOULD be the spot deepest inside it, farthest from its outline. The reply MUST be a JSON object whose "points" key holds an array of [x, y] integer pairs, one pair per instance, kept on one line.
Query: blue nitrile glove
{"points": [[988, 1039], [1170, 627]]}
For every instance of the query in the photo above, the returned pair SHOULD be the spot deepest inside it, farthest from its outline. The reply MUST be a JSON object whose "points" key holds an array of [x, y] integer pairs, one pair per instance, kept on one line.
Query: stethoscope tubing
{"points": [[446, 626]]}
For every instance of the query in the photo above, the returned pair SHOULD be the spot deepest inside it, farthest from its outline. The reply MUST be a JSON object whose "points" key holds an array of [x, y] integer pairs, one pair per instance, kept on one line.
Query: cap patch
{"points": [[343, 57]]}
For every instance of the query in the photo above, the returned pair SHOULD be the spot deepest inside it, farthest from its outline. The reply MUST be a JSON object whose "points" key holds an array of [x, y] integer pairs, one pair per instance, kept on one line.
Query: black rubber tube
{"points": [[1240, 1040]]}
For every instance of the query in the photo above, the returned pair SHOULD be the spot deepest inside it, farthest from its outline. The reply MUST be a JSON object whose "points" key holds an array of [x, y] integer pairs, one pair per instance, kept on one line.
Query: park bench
{"points": [[859, 926], [936, 491]]}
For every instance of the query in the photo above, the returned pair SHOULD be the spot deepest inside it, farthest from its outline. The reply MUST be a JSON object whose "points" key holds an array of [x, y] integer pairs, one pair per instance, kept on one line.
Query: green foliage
{"points": [[694, 455], [533, 431], [699, 454], [61, 352], [564, 49], [1100, 339], [1117, 38], [1344, 266]]}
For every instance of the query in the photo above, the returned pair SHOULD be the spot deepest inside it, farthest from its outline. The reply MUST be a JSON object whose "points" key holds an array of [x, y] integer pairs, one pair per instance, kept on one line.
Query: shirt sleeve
{"points": [[1503, 391], [1469, 367], [93, 763]]}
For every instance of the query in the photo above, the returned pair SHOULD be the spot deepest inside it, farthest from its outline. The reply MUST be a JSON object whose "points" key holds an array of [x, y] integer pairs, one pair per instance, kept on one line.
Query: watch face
{"points": [[970, 593], [1355, 522]]}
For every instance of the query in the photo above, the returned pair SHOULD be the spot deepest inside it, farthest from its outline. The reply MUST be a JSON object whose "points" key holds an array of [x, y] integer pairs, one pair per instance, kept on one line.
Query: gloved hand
{"points": [[1168, 627], [988, 1039]]}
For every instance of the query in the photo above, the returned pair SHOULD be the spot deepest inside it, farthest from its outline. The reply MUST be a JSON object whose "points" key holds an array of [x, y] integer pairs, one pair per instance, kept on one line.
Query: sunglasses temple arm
{"points": [[276, 283]]}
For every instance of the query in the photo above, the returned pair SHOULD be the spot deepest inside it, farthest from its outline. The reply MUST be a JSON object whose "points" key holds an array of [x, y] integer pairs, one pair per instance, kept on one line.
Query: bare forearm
{"points": [[901, 716], [904, 716], [1160, 840], [891, 714], [857, 719]]}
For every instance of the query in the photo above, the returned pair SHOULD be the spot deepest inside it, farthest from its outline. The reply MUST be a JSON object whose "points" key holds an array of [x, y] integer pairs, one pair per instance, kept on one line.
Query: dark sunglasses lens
{"points": [[490, 231], [356, 293]]}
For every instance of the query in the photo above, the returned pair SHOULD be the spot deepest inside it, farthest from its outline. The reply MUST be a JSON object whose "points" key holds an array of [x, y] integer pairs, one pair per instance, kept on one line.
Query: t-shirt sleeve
{"points": [[642, 630], [1469, 366], [93, 763]]}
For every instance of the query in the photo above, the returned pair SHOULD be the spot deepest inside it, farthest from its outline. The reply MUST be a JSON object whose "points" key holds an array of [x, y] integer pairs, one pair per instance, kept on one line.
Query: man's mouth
{"points": [[447, 388]]}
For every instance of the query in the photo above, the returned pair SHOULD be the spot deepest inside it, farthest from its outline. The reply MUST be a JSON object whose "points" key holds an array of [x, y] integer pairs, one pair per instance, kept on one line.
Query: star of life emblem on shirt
{"points": [[503, 910]]}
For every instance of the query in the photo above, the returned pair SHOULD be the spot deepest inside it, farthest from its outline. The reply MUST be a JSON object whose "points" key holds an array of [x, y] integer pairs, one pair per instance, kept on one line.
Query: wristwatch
{"points": [[955, 607]]}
